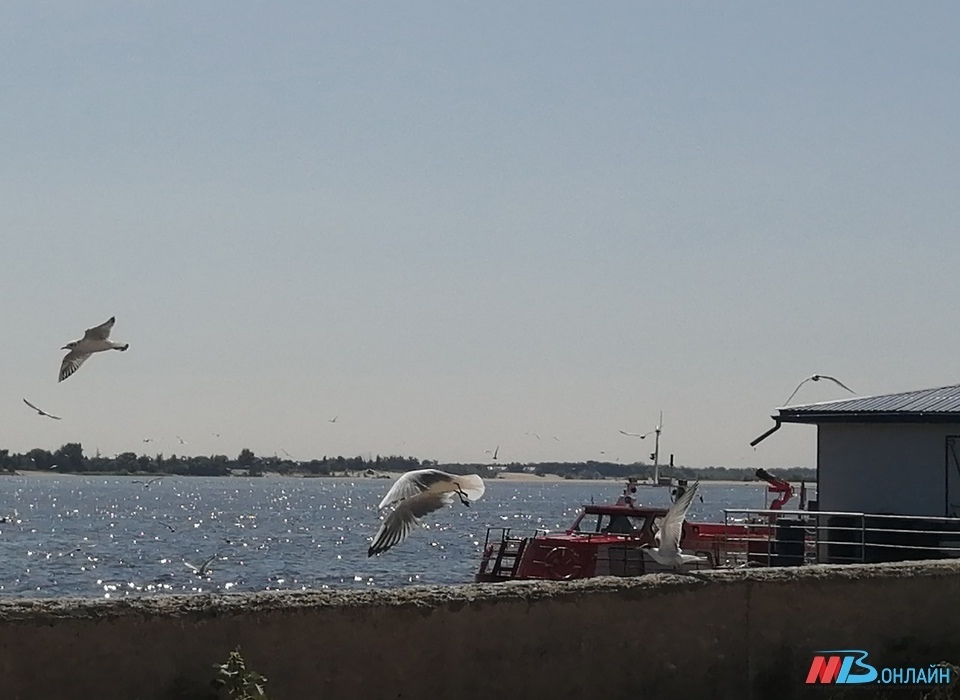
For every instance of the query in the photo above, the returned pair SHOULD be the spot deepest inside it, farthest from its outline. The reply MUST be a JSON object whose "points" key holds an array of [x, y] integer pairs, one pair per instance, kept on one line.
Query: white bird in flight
{"points": [[41, 411], [202, 569], [624, 432], [667, 551], [95, 339], [817, 378], [416, 494]]}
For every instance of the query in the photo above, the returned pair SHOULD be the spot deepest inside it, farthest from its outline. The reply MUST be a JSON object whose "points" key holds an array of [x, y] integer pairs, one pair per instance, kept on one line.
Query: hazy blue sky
{"points": [[452, 224]]}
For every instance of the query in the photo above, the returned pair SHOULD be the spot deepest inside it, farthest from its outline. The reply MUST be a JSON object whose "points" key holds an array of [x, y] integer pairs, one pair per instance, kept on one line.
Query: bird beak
{"points": [[65, 347]]}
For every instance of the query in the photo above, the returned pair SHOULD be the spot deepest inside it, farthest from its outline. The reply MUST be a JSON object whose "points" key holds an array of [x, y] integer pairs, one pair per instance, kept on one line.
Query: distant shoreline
{"points": [[502, 477]]}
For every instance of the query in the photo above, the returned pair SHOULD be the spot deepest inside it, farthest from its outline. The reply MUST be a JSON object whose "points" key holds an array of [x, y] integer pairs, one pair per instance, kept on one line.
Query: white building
{"points": [[892, 454]]}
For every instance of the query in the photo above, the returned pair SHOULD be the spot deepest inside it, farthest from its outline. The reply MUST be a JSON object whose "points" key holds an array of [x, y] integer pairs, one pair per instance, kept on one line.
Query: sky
{"points": [[459, 226]]}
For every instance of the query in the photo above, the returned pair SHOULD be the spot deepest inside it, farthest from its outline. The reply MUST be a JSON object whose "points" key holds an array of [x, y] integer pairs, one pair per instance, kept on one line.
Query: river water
{"points": [[110, 536]]}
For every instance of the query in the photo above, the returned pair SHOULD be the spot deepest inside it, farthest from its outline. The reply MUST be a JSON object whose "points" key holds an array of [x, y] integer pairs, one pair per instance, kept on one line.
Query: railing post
{"points": [[863, 538]]}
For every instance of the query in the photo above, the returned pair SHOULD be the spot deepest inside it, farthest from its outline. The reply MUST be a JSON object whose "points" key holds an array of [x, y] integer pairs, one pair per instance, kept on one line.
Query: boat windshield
{"points": [[612, 524]]}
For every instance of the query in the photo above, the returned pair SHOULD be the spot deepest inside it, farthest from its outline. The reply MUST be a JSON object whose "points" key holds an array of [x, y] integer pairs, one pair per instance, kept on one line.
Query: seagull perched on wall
{"points": [[416, 494], [817, 378], [41, 411], [95, 339], [668, 552]]}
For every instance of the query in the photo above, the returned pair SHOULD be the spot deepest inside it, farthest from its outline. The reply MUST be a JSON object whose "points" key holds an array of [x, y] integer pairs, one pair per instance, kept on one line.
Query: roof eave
{"points": [[866, 417]]}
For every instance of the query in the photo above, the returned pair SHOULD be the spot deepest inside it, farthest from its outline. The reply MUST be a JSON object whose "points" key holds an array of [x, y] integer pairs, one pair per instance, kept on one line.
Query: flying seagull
{"points": [[41, 411], [202, 569], [624, 432], [817, 378], [146, 484], [667, 551], [94, 340], [416, 494], [494, 453], [332, 420]]}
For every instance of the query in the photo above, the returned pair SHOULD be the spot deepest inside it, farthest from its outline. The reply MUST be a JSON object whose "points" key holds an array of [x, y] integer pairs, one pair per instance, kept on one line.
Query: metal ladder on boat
{"points": [[508, 556]]}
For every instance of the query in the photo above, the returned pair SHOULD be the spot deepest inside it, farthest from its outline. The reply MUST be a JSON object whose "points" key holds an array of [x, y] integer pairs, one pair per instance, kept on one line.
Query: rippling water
{"points": [[95, 536]]}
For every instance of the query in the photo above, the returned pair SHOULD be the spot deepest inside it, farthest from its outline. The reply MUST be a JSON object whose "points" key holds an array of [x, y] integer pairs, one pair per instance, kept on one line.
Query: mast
{"points": [[656, 451]]}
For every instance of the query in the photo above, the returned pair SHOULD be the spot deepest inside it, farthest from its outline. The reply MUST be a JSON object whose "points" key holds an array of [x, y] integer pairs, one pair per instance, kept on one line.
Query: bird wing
{"points": [[624, 432], [838, 383], [101, 332], [404, 518], [71, 363], [32, 406], [471, 485], [413, 483], [672, 526], [796, 390]]}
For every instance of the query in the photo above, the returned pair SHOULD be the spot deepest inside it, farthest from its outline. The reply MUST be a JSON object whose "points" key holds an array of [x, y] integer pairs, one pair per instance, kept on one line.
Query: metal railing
{"points": [[757, 537]]}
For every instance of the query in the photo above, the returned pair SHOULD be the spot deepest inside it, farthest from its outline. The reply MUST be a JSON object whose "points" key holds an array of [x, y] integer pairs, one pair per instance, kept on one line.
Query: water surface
{"points": [[97, 536]]}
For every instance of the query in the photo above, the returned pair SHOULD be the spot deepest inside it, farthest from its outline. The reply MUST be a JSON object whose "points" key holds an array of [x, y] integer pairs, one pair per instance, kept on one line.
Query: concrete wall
{"points": [[886, 468], [743, 634]]}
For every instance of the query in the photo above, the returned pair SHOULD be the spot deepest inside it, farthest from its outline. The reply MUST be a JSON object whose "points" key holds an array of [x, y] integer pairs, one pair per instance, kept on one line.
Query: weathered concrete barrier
{"points": [[743, 634]]}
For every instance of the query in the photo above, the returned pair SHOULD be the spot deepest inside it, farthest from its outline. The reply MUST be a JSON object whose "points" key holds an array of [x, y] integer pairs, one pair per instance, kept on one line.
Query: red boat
{"points": [[609, 540]]}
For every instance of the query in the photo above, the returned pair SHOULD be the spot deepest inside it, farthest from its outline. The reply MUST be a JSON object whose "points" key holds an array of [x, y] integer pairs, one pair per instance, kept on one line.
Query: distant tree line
{"points": [[71, 459]]}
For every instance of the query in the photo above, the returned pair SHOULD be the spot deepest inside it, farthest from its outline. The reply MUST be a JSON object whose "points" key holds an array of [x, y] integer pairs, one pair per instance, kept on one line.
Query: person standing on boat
{"points": [[628, 495]]}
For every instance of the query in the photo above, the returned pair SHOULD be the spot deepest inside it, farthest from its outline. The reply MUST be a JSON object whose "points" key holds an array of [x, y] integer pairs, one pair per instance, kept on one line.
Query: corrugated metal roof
{"points": [[940, 402]]}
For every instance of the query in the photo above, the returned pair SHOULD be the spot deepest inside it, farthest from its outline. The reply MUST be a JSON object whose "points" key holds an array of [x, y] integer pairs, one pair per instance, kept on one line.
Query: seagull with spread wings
{"points": [[203, 568], [41, 411], [667, 551], [416, 494], [95, 339], [817, 378], [637, 435]]}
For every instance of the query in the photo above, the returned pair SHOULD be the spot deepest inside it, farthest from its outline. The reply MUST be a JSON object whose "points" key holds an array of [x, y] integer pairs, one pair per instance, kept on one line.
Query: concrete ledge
{"points": [[730, 634]]}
